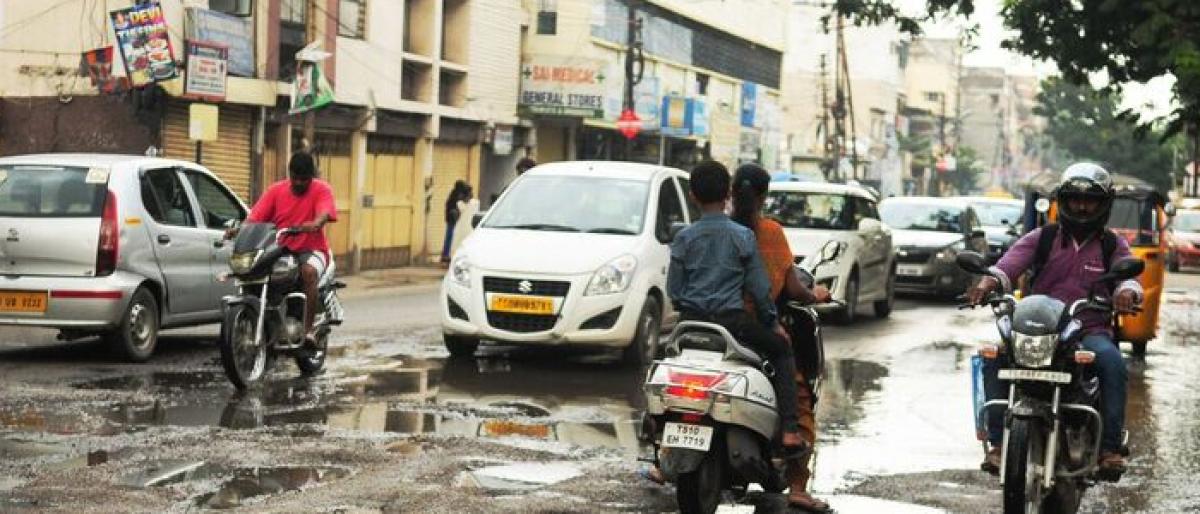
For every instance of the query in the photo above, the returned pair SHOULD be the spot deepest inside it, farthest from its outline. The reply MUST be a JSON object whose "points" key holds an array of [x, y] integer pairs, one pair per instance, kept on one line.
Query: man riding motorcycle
{"points": [[304, 203], [1066, 259]]}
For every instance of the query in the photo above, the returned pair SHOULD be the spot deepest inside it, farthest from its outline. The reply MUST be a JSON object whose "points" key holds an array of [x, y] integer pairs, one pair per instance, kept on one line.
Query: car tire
{"points": [[460, 346], [883, 308], [136, 335], [644, 347], [849, 313]]}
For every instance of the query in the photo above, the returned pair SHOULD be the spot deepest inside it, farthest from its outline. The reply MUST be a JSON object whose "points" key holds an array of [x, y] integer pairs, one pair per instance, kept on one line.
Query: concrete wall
{"points": [[373, 65], [495, 59], [932, 67]]}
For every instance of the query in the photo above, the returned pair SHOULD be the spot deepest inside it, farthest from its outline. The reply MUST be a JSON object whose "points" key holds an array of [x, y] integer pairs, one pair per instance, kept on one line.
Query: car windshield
{"points": [[918, 216], [572, 204], [799, 209], [1135, 220], [51, 191], [997, 214], [1188, 221]]}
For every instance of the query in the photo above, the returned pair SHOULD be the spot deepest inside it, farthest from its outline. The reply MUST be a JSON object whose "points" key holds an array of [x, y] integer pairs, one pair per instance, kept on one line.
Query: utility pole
{"points": [[845, 64], [310, 34], [635, 65], [1196, 158], [828, 161]]}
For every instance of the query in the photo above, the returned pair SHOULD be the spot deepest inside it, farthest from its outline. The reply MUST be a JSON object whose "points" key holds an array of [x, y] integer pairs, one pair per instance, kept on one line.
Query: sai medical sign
{"points": [[562, 86]]}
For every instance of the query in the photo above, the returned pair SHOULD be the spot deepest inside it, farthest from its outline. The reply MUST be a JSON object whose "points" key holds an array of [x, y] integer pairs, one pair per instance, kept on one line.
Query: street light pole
{"points": [[634, 65]]}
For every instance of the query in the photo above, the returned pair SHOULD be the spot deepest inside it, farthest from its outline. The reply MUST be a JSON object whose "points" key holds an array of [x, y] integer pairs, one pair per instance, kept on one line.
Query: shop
{"points": [[229, 156]]}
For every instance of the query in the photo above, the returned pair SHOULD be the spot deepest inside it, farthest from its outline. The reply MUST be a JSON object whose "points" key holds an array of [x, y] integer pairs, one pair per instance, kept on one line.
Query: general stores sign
{"points": [[563, 86]]}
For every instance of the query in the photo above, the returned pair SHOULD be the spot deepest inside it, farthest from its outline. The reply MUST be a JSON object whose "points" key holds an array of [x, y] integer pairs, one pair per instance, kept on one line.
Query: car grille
{"points": [[521, 323], [910, 255], [536, 287]]}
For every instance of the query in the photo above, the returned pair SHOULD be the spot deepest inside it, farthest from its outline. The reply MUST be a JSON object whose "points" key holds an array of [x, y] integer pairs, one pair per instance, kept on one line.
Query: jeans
{"points": [[446, 242], [1109, 366]]}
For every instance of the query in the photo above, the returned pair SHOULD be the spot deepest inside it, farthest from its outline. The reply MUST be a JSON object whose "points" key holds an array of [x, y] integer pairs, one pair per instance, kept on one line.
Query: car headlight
{"points": [[240, 263], [1034, 351], [460, 271], [613, 277]]}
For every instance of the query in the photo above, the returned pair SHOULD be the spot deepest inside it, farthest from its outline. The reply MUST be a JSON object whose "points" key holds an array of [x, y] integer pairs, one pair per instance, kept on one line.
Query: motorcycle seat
{"points": [[713, 342]]}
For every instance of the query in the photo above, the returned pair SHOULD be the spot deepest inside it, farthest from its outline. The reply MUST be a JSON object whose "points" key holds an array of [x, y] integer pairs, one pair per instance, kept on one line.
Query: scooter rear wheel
{"points": [[699, 491]]}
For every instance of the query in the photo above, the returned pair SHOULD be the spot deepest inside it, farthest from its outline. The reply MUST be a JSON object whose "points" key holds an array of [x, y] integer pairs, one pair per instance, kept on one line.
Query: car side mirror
{"points": [[1124, 269], [831, 251], [976, 234], [1169, 209], [868, 225], [674, 230], [477, 218], [972, 262]]}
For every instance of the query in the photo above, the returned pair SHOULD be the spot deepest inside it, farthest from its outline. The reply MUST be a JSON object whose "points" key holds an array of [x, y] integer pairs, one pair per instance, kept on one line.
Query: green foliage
{"points": [[965, 176]]}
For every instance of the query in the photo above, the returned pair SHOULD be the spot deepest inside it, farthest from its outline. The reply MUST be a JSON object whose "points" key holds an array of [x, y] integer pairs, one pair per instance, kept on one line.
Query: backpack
{"points": [[1108, 246]]}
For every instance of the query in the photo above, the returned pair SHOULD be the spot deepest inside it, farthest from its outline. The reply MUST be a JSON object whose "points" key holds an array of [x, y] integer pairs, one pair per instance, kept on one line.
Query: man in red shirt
{"points": [[305, 203]]}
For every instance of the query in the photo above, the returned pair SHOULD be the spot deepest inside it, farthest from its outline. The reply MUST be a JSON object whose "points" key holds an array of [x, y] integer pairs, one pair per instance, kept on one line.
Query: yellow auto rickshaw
{"points": [[1140, 214]]}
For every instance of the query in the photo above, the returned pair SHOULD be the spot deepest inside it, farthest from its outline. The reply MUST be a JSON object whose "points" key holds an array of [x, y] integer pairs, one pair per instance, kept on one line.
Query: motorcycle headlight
{"points": [[240, 263], [1034, 351], [460, 271], [613, 277]]}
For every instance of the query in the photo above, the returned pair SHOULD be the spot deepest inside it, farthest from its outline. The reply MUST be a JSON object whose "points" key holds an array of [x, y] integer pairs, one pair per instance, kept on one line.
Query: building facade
{"points": [[932, 108]]}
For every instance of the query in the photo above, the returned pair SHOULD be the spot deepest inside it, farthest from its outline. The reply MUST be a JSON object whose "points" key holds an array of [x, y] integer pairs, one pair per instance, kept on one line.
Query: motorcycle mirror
{"points": [[972, 262], [1124, 269]]}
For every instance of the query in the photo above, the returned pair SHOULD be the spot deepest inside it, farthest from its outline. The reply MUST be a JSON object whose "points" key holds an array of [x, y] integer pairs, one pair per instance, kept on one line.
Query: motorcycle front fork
{"points": [[1052, 442]]}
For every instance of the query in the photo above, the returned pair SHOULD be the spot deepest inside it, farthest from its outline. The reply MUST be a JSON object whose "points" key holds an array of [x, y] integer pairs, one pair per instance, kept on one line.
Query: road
{"points": [[393, 426]]}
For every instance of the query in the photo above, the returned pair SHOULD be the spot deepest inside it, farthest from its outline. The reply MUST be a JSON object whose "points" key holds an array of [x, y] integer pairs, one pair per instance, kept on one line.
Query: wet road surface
{"points": [[395, 426]]}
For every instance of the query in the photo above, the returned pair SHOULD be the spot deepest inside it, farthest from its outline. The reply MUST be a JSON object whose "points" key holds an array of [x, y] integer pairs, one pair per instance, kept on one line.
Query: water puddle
{"points": [[249, 483], [523, 476]]}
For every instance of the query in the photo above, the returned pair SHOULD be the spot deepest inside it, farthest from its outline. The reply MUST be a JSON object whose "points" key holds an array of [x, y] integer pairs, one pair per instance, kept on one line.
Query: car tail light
{"points": [[691, 384], [110, 238], [1085, 357]]}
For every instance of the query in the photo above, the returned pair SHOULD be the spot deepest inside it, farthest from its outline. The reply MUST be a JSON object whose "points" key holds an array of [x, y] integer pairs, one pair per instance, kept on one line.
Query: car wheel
{"points": [[847, 314], [644, 347], [883, 308], [459, 346], [137, 334]]}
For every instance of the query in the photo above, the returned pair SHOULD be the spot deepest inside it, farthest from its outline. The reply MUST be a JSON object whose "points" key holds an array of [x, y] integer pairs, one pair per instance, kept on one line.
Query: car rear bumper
{"points": [[86, 303]]}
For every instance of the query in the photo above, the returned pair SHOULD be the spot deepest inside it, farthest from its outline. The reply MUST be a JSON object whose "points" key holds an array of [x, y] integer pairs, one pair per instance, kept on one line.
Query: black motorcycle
{"points": [[266, 318], [1053, 414]]}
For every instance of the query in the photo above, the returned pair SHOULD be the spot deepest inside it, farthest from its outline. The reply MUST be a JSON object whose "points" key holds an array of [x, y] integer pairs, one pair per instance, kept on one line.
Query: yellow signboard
{"points": [[202, 122]]}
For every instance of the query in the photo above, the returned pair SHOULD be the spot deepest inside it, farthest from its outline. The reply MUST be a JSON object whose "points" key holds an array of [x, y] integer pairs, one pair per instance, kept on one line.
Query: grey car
{"points": [[115, 246], [928, 234]]}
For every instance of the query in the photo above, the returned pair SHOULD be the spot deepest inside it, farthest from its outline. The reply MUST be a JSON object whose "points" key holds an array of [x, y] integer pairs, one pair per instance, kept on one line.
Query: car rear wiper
{"points": [[612, 230], [541, 226]]}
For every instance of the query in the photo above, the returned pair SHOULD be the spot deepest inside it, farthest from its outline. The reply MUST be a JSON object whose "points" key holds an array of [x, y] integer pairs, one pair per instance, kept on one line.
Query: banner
{"points": [[142, 37], [676, 116], [749, 103], [236, 33], [310, 90], [206, 69], [566, 86], [98, 66]]}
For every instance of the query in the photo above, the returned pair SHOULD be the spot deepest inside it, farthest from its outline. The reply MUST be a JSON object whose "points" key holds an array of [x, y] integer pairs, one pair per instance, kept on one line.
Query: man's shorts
{"points": [[318, 260]]}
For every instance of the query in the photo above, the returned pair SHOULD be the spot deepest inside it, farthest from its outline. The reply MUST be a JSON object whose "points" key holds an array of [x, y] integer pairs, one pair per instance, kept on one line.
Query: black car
{"points": [[1001, 220], [928, 234]]}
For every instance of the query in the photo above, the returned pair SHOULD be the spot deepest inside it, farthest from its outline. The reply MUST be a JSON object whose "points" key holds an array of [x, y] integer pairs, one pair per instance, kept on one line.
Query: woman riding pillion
{"points": [[1080, 249]]}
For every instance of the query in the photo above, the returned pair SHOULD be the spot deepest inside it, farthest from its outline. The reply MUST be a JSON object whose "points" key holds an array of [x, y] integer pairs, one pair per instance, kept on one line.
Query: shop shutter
{"points": [[451, 163], [228, 157]]}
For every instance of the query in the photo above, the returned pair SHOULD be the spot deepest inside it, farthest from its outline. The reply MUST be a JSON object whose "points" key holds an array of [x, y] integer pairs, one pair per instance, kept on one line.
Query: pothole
{"points": [[522, 476]]}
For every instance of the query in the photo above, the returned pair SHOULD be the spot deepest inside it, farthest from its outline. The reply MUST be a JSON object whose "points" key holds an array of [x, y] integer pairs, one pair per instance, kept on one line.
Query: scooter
{"points": [[711, 410]]}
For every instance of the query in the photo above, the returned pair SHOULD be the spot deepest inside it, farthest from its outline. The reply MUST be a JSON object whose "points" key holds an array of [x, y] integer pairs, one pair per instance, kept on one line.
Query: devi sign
{"points": [[564, 86]]}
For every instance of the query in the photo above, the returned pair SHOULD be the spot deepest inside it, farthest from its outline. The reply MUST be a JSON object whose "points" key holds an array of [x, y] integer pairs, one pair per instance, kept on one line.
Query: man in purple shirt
{"points": [[1076, 260]]}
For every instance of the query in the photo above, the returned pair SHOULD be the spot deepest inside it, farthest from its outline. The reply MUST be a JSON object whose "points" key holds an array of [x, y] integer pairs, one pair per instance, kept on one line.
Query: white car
{"points": [[573, 253], [813, 213]]}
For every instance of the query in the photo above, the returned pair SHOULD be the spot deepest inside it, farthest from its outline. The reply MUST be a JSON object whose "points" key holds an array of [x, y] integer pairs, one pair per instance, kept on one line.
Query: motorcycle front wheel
{"points": [[1023, 468], [244, 360], [699, 491]]}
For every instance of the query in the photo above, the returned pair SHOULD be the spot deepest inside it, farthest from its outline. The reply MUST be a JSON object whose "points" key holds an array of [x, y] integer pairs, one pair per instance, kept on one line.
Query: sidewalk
{"points": [[391, 280]]}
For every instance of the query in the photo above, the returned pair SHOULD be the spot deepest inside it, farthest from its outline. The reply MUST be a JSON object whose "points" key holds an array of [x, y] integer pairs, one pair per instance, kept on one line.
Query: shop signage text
{"points": [[234, 32], [142, 37], [562, 86], [206, 70]]}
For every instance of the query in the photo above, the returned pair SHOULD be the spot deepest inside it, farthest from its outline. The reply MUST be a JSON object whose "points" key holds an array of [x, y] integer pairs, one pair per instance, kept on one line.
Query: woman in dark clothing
{"points": [[457, 194]]}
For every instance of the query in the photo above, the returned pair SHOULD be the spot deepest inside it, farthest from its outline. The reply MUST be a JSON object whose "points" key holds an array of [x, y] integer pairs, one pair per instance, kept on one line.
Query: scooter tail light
{"points": [[1085, 357], [989, 351], [690, 384]]}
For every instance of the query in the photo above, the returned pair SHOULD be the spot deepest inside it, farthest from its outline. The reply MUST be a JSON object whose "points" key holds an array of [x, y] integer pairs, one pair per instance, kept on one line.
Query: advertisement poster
{"points": [[749, 103], [206, 71], [234, 32], [310, 90], [677, 116], [97, 64], [562, 86], [142, 37]]}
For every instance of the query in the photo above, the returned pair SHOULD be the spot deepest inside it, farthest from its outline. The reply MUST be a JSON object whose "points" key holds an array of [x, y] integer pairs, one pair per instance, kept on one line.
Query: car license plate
{"points": [[683, 435], [23, 301], [522, 304], [1057, 377], [910, 270]]}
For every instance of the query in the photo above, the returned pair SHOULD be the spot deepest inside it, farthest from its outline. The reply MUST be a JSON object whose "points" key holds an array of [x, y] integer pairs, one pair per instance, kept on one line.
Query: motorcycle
{"points": [[711, 412], [266, 318], [1053, 414]]}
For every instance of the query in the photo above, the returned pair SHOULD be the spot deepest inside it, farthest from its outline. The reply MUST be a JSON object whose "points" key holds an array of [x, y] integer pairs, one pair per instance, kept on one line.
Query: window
{"points": [[933, 96], [916, 216], [49, 192], [235, 7], [669, 210], [165, 200], [693, 208], [701, 84], [352, 18], [799, 209], [547, 17], [217, 205], [293, 11], [572, 204], [864, 209]]}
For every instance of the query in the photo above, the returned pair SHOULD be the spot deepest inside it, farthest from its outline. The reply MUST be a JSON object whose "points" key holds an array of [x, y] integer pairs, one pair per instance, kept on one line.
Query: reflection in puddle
{"points": [[524, 476], [249, 483]]}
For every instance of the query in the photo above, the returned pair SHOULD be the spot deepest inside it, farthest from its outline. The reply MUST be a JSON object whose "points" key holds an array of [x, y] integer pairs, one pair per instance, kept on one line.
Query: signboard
{"points": [[310, 89], [142, 37], [502, 140], [749, 103], [564, 86], [206, 70], [98, 65], [677, 116], [699, 117], [202, 122], [236, 33], [748, 143]]}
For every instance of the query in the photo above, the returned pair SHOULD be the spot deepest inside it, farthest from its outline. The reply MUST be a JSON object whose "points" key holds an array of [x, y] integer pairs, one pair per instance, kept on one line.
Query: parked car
{"points": [[573, 253], [1185, 240], [812, 213], [929, 233], [1001, 220], [109, 245]]}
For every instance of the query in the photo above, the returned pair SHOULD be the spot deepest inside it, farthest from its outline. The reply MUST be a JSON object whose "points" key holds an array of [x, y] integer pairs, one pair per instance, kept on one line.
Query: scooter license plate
{"points": [[683, 435], [1056, 377]]}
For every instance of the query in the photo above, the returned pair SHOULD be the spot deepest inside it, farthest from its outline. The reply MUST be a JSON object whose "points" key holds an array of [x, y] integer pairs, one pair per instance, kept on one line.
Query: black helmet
{"points": [[1084, 180]]}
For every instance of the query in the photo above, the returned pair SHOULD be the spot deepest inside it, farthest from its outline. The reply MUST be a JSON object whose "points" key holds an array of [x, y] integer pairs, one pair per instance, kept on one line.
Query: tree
{"points": [[965, 177], [1087, 124]]}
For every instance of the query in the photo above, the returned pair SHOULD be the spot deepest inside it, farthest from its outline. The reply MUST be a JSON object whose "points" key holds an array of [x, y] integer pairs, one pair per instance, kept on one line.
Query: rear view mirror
{"points": [[476, 218], [675, 229], [1124, 269], [972, 262]]}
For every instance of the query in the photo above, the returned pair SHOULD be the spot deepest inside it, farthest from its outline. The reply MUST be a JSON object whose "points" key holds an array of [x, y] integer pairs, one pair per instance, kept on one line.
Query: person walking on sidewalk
{"points": [[452, 213], [468, 205]]}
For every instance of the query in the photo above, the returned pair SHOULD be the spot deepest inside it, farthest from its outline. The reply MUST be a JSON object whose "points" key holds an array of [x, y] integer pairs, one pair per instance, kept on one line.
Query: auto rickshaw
{"points": [[1140, 214]]}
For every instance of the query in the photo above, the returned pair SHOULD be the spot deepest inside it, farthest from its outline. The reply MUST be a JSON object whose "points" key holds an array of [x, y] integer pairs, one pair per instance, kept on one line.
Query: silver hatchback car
{"points": [[112, 245]]}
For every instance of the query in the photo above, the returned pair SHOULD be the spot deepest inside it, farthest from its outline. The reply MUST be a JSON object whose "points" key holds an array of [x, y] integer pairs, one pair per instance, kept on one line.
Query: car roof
{"points": [[90, 160], [930, 200], [822, 187], [992, 201], [603, 169]]}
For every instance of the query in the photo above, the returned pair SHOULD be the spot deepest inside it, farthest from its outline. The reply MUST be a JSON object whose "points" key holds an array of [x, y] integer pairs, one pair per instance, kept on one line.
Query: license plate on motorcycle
{"points": [[522, 304], [683, 435], [1057, 377]]}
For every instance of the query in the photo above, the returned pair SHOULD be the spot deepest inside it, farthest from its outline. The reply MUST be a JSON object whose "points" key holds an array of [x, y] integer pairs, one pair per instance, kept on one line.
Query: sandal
{"points": [[805, 502]]}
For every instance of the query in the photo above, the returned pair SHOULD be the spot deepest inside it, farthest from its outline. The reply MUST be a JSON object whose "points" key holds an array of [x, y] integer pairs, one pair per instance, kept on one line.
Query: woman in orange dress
{"points": [[750, 184]]}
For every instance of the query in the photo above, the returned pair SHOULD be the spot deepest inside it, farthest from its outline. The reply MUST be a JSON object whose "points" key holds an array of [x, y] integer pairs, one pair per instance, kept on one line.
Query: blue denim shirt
{"points": [[713, 262]]}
